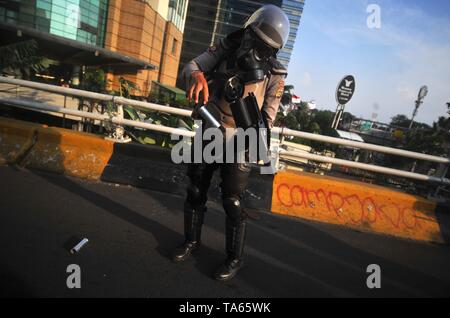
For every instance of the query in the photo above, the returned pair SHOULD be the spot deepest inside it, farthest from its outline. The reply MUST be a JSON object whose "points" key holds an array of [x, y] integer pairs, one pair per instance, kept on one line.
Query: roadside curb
{"points": [[53, 149], [359, 206], [16, 139], [73, 153]]}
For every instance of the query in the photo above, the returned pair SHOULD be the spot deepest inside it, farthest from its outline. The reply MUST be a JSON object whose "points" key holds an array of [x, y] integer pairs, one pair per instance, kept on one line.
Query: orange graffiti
{"points": [[367, 208]]}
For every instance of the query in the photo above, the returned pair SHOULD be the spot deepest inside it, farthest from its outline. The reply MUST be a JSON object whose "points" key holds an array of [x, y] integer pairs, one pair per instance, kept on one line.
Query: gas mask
{"points": [[252, 58]]}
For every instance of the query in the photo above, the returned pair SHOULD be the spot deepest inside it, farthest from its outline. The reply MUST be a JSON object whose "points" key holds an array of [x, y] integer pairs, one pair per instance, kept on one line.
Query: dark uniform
{"points": [[219, 63]]}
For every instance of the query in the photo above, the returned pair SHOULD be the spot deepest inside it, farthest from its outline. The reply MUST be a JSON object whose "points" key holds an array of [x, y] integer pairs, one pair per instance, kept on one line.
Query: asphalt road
{"points": [[132, 232]]}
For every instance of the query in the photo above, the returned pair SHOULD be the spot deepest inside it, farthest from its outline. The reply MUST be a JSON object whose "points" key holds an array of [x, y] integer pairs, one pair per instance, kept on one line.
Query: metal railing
{"points": [[82, 114], [119, 120]]}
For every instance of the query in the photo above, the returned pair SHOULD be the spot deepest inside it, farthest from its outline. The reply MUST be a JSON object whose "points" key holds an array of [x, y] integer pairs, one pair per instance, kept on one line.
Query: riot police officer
{"points": [[251, 53]]}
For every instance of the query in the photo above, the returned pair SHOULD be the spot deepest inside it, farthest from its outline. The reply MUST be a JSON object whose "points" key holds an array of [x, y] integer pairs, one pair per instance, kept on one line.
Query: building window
{"points": [[174, 46]]}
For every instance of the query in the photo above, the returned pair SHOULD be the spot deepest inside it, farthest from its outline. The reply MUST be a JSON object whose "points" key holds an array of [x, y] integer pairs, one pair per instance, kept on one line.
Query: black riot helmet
{"points": [[271, 25]]}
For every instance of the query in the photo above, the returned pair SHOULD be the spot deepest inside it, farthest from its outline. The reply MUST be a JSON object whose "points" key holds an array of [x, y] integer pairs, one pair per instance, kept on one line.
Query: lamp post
{"points": [[422, 93]]}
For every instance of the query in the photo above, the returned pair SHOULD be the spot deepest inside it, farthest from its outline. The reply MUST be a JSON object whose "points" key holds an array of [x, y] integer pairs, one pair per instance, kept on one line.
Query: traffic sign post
{"points": [[344, 94]]}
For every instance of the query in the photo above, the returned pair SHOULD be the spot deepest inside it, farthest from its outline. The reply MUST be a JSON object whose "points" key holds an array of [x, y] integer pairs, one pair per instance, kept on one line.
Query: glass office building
{"points": [[177, 13], [294, 10], [80, 20], [209, 20], [231, 15]]}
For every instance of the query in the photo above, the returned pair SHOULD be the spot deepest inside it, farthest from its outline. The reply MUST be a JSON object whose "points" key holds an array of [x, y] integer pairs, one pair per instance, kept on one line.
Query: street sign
{"points": [[345, 90]]}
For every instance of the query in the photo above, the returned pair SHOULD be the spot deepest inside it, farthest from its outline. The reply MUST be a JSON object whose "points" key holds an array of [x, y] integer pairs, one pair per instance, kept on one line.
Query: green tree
{"points": [[347, 118], [324, 118], [159, 118], [303, 106], [279, 120], [314, 128], [94, 80], [400, 121], [433, 139], [303, 118], [181, 103], [291, 122], [21, 58], [127, 88]]}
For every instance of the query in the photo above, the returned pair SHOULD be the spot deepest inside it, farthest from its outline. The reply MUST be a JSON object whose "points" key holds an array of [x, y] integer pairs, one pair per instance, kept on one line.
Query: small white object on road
{"points": [[77, 247]]}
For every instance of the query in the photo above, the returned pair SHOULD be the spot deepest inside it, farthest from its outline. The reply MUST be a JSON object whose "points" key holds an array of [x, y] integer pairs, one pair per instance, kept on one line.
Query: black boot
{"points": [[235, 239], [193, 221]]}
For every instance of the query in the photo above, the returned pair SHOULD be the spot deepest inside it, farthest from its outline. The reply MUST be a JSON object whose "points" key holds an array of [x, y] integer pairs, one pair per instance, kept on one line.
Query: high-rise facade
{"points": [[210, 20], [294, 10], [150, 30], [143, 37], [80, 20]]}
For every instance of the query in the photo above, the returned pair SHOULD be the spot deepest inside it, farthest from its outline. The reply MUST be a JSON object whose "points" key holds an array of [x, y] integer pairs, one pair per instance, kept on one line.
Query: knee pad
{"points": [[233, 208], [195, 195]]}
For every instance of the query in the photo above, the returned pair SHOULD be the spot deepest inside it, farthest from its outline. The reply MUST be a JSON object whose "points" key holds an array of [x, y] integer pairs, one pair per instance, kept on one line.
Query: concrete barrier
{"points": [[16, 138], [357, 205], [73, 153], [308, 196]]}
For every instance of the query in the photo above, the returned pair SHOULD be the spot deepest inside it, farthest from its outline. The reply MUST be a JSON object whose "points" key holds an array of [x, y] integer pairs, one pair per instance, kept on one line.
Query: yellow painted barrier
{"points": [[309, 196], [73, 153], [16, 138], [356, 205]]}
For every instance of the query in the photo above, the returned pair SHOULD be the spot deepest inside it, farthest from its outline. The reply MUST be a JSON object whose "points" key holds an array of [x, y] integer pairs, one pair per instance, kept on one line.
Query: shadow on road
{"points": [[443, 219], [285, 257], [12, 286], [163, 234]]}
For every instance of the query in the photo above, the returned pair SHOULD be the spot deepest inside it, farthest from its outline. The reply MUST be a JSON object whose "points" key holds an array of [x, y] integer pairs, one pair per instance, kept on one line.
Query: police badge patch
{"points": [[280, 89]]}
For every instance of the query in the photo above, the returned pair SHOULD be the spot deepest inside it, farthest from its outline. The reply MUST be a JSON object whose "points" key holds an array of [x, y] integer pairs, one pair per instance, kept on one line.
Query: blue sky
{"points": [[411, 49]]}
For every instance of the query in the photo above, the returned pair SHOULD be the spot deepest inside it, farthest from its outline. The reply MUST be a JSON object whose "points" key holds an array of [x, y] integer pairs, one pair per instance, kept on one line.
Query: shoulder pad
{"points": [[276, 68]]}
